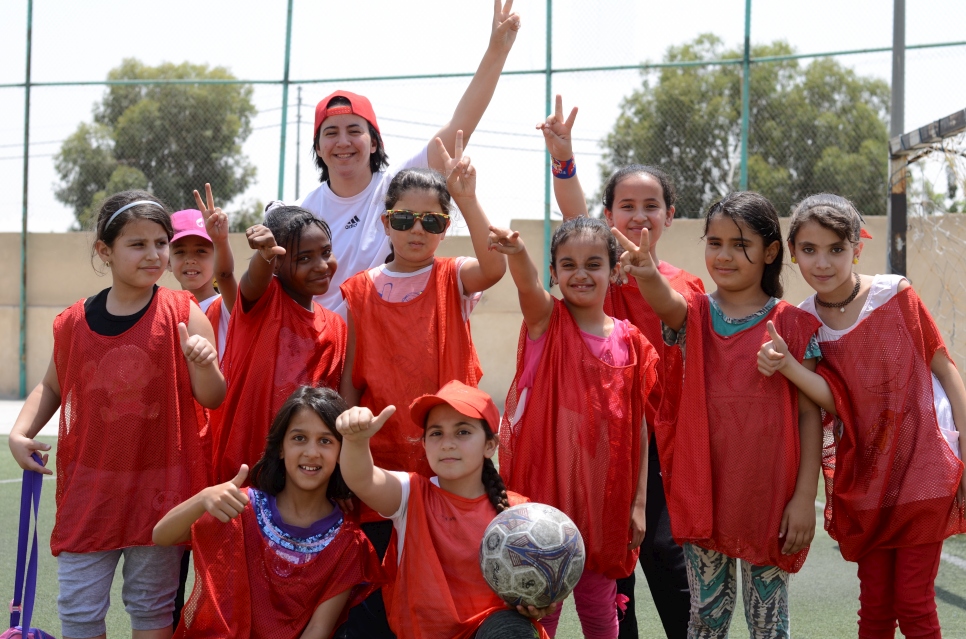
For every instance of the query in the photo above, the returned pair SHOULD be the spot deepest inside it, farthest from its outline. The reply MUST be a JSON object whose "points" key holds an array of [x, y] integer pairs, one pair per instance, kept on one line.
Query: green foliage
{"points": [[249, 214], [167, 138], [812, 128]]}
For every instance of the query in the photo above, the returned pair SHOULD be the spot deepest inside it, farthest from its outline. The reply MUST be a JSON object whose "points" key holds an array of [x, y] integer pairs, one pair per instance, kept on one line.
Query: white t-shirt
{"points": [[222, 322], [359, 241], [884, 288], [399, 517]]}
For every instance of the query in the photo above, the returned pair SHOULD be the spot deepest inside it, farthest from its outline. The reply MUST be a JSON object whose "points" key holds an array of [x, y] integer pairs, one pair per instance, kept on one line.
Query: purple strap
{"points": [[32, 485]]}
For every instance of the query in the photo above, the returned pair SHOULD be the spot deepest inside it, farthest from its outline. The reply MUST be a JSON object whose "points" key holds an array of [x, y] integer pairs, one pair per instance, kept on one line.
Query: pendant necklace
{"points": [[841, 305]]}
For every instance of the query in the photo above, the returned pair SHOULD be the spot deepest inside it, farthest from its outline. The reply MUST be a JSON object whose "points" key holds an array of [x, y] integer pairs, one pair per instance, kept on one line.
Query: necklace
{"points": [[841, 305]]}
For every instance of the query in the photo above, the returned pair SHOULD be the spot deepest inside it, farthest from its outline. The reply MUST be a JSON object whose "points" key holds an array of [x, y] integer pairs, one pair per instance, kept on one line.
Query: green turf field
{"points": [[824, 595]]}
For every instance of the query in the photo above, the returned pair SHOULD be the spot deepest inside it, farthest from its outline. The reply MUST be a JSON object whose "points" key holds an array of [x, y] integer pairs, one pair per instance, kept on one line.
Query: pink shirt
{"points": [[397, 287], [612, 350]]}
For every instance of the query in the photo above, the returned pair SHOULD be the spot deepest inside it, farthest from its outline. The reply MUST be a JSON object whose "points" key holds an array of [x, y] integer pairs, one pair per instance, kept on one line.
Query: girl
{"points": [[439, 591], [279, 338], [638, 197], [130, 445], [432, 297], [297, 563], [200, 255], [574, 435], [894, 488], [724, 503]]}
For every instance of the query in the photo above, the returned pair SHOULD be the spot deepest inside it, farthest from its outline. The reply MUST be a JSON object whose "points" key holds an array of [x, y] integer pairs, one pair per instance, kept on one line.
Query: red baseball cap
{"points": [[469, 401], [188, 222], [358, 105]]}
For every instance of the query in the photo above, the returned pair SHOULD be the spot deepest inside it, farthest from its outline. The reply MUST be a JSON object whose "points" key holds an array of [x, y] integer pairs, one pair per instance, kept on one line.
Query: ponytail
{"points": [[494, 486]]}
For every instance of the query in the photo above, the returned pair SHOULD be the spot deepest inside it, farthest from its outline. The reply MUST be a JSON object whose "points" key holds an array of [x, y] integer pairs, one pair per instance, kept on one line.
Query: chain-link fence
{"points": [[815, 122]]}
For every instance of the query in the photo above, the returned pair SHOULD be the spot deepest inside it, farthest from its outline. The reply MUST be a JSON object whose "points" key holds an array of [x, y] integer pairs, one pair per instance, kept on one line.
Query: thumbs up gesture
{"points": [[196, 348], [771, 356], [358, 424], [227, 501]]}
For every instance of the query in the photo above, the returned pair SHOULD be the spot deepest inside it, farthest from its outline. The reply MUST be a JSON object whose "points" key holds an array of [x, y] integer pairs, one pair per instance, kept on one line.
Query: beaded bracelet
{"points": [[563, 170]]}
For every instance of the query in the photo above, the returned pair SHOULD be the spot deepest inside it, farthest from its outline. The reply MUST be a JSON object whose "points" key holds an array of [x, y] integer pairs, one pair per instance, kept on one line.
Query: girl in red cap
{"points": [[277, 559], [894, 486], [280, 338], [130, 445], [438, 591], [355, 172], [742, 457], [637, 197], [574, 433]]}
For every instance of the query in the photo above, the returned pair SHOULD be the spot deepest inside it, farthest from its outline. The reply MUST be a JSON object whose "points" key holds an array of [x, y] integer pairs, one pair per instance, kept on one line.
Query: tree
{"points": [[166, 138], [815, 128]]}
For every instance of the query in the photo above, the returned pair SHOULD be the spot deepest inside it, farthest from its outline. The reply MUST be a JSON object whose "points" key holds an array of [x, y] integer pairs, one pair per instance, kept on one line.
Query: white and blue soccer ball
{"points": [[532, 555]]}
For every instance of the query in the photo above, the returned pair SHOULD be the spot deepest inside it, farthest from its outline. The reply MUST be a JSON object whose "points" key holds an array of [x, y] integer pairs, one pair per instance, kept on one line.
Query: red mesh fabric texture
{"points": [[439, 591], [214, 317], [730, 461], [405, 350], [247, 587], [577, 446], [624, 301], [130, 445], [273, 347], [892, 481]]}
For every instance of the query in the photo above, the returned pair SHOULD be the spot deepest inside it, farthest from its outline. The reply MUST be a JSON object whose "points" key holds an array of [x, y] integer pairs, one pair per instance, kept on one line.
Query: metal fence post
{"points": [[897, 219], [281, 143], [23, 228], [547, 179], [745, 99]]}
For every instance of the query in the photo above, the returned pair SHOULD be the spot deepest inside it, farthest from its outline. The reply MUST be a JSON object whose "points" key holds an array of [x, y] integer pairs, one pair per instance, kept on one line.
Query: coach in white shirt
{"points": [[354, 170]]}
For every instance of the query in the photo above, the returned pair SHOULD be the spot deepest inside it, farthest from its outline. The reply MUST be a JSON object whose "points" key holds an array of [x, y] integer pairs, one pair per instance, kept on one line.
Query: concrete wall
{"points": [[60, 273]]}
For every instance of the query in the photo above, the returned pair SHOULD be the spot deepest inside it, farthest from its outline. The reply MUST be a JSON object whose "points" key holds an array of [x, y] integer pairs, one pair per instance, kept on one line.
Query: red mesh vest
{"points": [[130, 445], [624, 301], [891, 481], [577, 446], [245, 590], [439, 591], [405, 350], [273, 348], [730, 460]]}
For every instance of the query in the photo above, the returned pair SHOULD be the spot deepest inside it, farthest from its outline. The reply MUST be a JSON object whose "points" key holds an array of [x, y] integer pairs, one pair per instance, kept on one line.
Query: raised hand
{"points": [[557, 132], [261, 239], [771, 355], [196, 348], [358, 424], [216, 221], [504, 241], [459, 173], [226, 501], [635, 261], [505, 26]]}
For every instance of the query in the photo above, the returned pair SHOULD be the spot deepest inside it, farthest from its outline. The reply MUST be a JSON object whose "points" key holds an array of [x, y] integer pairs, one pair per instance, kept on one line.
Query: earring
{"points": [[855, 260], [107, 264], [794, 261]]}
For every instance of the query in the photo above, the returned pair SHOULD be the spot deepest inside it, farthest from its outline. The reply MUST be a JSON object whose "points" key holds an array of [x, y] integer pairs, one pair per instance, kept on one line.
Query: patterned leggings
{"points": [[713, 583]]}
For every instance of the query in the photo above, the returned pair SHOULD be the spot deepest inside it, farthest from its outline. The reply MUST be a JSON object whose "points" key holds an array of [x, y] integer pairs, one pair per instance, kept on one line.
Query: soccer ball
{"points": [[532, 555]]}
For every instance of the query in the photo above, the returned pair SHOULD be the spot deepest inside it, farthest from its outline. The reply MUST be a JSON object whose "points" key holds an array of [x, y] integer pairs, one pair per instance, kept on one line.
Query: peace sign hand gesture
{"points": [[216, 221], [505, 26], [459, 173], [504, 241], [557, 132], [636, 261]]}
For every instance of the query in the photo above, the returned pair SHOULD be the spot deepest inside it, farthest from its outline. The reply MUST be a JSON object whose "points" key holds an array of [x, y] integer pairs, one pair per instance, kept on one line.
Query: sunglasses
{"points": [[403, 220]]}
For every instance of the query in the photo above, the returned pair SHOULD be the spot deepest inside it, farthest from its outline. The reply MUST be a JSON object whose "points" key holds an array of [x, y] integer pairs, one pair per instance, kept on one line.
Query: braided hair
{"points": [[495, 488]]}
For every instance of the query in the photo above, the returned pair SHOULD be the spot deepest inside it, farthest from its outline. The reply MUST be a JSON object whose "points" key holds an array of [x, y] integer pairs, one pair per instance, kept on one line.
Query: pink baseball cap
{"points": [[188, 222], [358, 105], [469, 401]]}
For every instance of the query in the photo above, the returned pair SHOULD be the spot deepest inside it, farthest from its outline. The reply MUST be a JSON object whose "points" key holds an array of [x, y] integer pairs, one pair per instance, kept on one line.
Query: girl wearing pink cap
{"points": [[200, 257], [438, 590], [355, 172]]}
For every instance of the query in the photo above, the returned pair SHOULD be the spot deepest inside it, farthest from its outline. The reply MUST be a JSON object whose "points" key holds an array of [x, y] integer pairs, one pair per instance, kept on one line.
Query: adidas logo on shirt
{"points": [[354, 222]]}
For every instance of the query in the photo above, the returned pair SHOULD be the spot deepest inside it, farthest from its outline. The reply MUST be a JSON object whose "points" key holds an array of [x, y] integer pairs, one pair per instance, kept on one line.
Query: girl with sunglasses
{"points": [[408, 319]]}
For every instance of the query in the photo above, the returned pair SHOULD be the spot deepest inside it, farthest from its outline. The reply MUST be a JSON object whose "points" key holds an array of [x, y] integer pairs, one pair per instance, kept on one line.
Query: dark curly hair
{"points": [[268, 473], [287, 224]]}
